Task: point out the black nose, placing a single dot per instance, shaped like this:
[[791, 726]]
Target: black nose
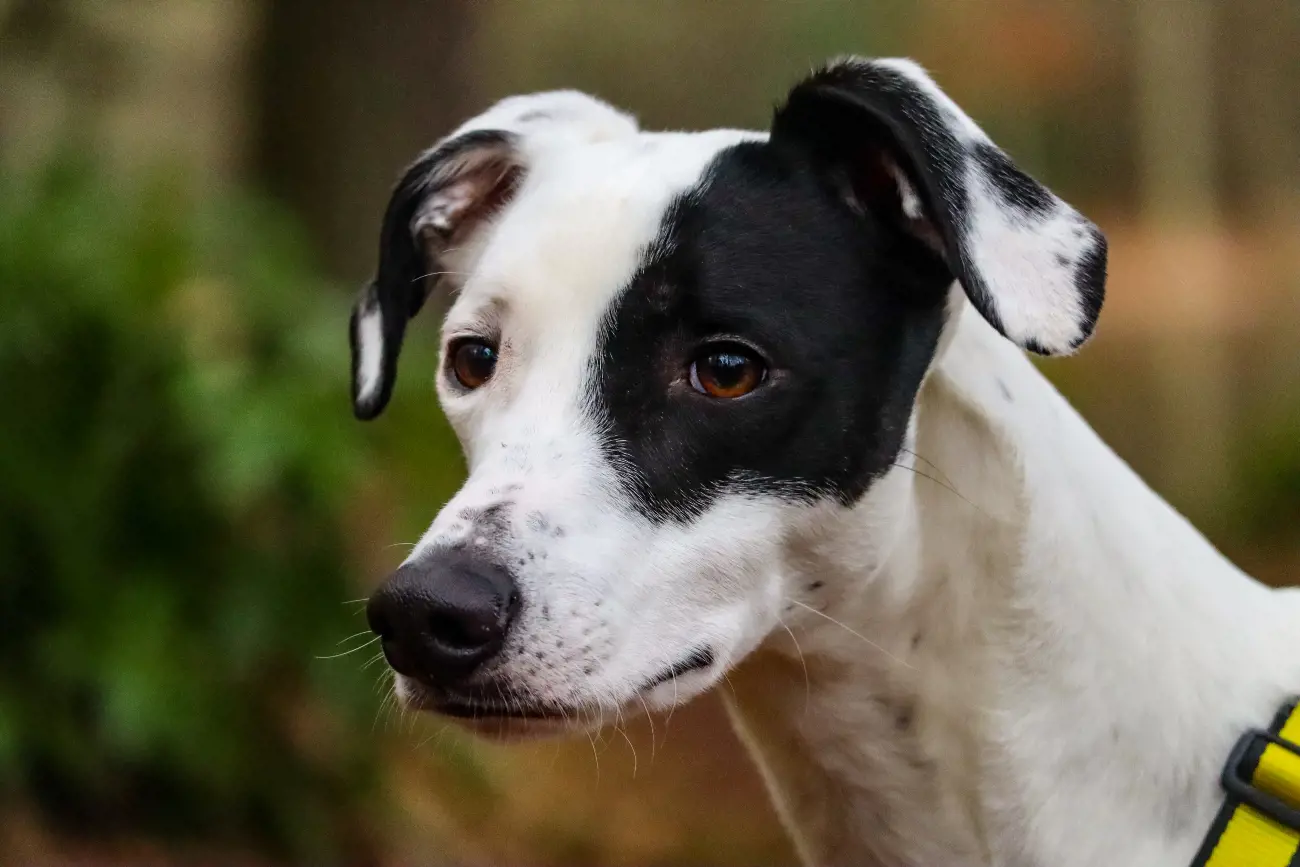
[[440, 618]]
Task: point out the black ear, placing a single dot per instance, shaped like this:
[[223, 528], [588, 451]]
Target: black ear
[[898, 146], [439, 201], [445, 196]]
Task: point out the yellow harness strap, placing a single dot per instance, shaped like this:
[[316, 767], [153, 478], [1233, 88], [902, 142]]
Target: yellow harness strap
[[1259, 825]]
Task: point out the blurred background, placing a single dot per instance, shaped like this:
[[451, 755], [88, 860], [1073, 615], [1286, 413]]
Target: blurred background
[[190, 193]]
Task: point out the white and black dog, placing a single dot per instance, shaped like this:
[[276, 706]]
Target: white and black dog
[[755, 405]]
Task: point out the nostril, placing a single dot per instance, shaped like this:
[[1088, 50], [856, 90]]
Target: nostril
[[463, 630]]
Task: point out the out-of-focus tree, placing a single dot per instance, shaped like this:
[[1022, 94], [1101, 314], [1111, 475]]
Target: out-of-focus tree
[[139, 83], [1258, 67], [1178, 171], [176, 461], [346, 94]]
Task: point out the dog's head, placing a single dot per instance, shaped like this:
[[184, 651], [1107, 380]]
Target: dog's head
[[667, 355]]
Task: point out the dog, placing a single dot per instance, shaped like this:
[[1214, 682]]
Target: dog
[[758, 405]]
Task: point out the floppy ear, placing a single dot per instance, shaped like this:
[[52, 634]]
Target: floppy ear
[[442, 199], [439, 201], [897, 146]]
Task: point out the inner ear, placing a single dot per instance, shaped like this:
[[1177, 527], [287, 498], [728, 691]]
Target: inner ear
[[871, 173], [890, 192], [465, 192]]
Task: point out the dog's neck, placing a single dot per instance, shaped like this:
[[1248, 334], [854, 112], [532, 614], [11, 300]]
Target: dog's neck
[[1019, 654]]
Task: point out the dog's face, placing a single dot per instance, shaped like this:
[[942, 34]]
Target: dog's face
[[669, 356]]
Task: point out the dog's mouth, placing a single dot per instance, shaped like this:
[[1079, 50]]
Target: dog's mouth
[[482, 710], [486, 705], [480, 707], [699, 659]]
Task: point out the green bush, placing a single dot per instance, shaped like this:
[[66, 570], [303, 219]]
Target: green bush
[[175, 454]]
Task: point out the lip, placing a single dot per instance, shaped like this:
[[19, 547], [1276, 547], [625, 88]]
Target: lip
[[480, 709], [473, 710], [700, 658]]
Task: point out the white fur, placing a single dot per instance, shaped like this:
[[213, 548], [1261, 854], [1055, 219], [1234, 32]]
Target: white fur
[[1086, 660], [1010, 652], [370, 343], [566, 113], [1022, 255]]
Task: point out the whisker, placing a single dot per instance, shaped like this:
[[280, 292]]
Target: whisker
[[435, 735], [594, 754], [353, 650], [650, 719], [385, 705], [851, 631], [399, 545], [807, 683], [927, 461], [439, 274], [630, 745], [941, 484]]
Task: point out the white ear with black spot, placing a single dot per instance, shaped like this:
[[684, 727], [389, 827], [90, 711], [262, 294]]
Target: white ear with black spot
[[1033, 266], [442, 199]]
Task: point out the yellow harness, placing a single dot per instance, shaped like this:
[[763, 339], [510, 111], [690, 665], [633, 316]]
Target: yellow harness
[[1259, 824]]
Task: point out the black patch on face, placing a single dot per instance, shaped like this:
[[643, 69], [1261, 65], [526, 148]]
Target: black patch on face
[[845, 308]]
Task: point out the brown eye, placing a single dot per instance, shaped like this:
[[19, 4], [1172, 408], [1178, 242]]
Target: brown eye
[[727, 370], [472, 362]]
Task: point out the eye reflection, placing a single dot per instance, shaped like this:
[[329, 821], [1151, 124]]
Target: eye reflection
[[472, 361], [727, 371]]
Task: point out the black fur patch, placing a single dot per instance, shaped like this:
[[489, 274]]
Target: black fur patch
[[845, 307], [1090, 278], [1016, 189]]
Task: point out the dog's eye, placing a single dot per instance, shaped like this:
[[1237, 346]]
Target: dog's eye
[[727, 370], [472, 361]]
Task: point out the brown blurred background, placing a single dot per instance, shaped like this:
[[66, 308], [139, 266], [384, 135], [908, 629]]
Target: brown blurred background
[[190, 190]]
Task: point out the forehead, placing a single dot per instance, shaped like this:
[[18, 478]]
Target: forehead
[[582, 222]]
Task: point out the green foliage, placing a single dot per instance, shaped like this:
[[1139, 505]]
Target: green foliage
[[1270, 480], [175, 453]]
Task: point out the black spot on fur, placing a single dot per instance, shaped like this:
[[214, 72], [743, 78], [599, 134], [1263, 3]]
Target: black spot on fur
[[1016, 189], [1090, 279], [1035, 347], [1006, 392], [846, 309]]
